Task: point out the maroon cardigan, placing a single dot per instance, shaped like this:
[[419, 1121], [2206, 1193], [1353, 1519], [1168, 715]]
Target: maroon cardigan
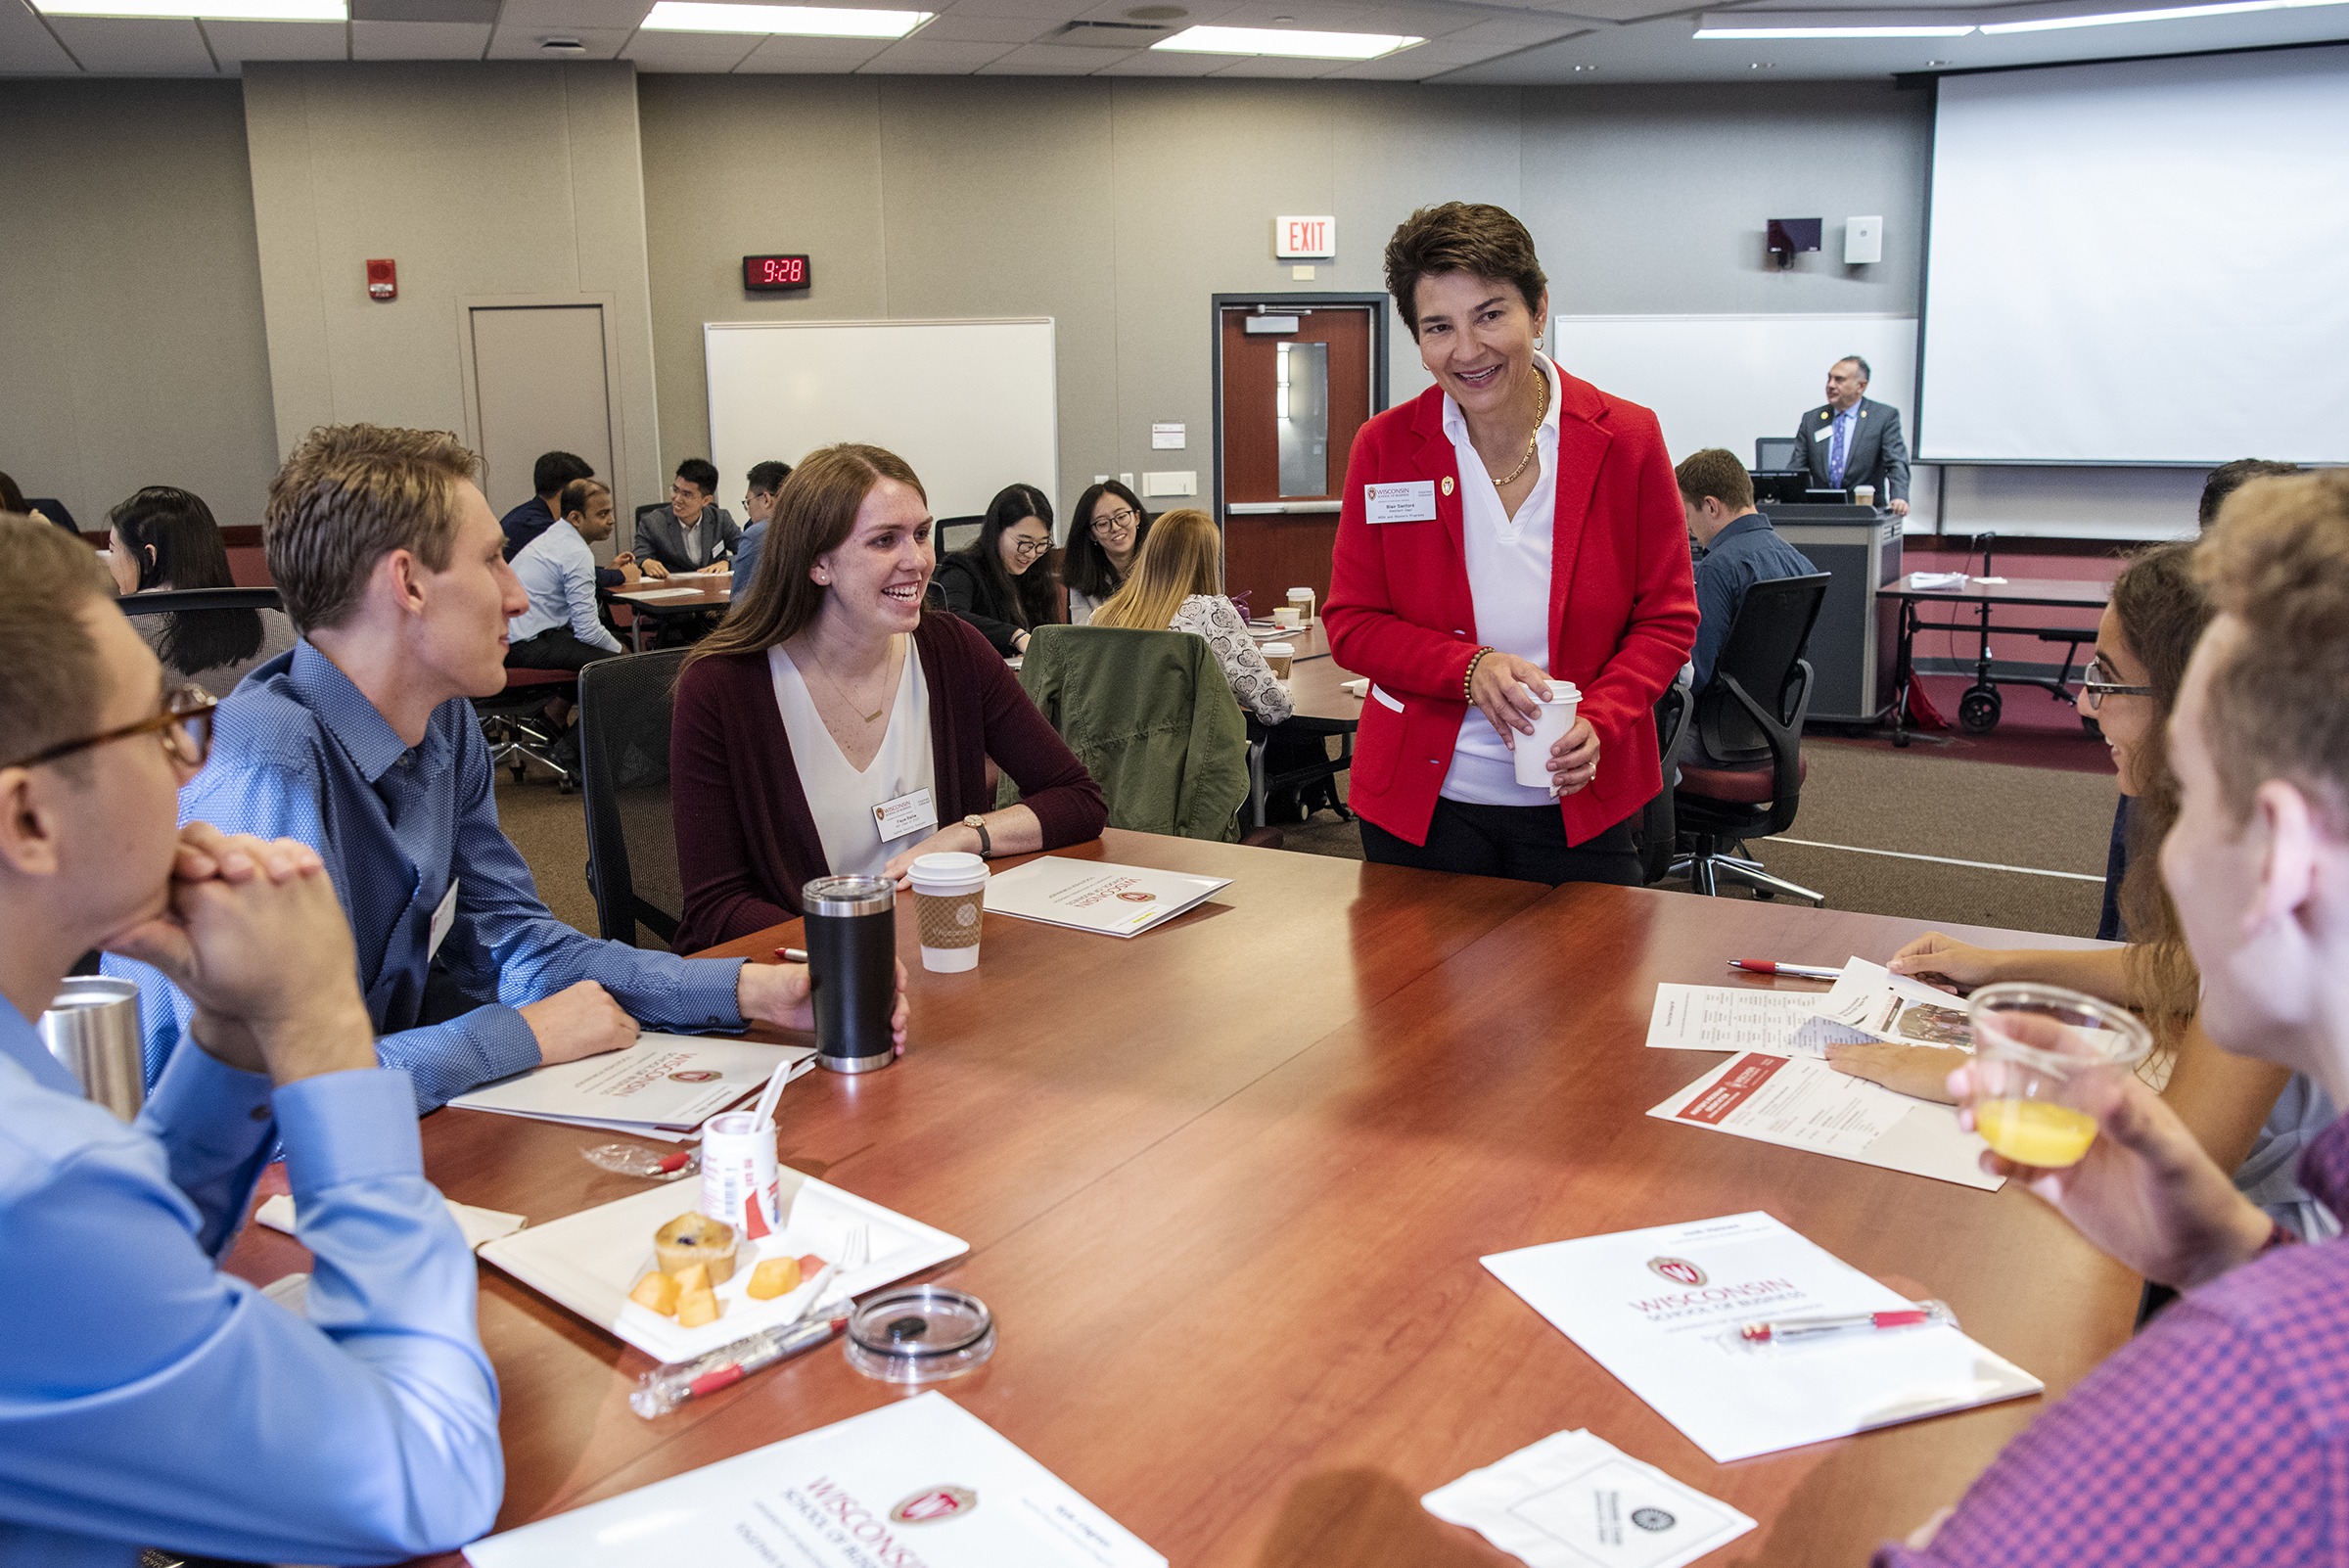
[[745, 841]]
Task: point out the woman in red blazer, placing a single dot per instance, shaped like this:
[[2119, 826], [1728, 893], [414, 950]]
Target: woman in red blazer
[[1508, 525]]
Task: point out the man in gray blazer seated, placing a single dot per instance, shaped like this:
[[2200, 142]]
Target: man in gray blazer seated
[[1851, 440], [689, 532]]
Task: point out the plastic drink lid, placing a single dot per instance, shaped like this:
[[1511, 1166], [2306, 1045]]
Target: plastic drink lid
[[1298, 594], [1564, 691], [920, 1334], [1280, 648], [949, 865]]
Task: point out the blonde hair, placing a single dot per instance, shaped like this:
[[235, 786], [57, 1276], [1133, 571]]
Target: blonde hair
[[350, 496], [1183, 556]]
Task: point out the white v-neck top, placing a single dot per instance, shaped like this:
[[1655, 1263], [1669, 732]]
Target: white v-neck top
[[1508, 583], [842, 800]]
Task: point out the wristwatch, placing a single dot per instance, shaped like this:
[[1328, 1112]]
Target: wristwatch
[[987, 846]]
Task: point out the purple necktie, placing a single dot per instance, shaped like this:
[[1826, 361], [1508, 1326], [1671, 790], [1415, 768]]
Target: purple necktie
[[1836, 449]]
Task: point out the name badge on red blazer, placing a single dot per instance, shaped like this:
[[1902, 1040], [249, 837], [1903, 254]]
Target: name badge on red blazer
[[1403, 501]]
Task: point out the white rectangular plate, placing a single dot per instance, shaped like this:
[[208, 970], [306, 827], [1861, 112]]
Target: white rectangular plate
[[590, 1260]]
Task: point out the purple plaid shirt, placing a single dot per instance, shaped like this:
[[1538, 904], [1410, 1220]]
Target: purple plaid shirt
[[2219, 1435]]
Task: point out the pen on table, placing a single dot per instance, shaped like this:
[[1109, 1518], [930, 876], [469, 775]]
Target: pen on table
[[664, 1388], [1771, 966], [794, 956], [1781, 1330]]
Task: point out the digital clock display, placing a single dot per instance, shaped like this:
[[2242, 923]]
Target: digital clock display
[[775, 274]]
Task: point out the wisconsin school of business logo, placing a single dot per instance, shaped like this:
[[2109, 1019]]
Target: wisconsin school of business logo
[[1680, 1270], [933, 1503]]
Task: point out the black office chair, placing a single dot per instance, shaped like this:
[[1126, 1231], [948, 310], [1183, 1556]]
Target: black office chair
[[1747, 778], [1659, 823], [1773, 453], [173, 601], [955, 533], [623, 766]]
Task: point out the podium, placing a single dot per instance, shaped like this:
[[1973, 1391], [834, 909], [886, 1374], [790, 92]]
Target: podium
[[1856, 641]]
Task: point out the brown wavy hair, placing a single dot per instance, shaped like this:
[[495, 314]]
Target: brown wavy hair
[[1477, 238], [350, 496], [816, 512], [2162, 611]]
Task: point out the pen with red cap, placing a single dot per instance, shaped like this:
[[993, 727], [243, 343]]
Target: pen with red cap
[[1792, 1330]]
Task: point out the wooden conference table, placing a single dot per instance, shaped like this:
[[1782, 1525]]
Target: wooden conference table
[[1225, 1186], [680, 593]]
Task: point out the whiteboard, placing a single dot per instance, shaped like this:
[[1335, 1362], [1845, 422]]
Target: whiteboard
[[1720, 381], [973, 405]]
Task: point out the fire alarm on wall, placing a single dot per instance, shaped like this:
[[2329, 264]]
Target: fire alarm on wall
[[383, 280]]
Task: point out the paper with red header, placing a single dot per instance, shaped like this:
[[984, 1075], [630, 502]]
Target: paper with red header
[[919, 1483], [1799, 1102], [1117, 901], [1660, 1310]]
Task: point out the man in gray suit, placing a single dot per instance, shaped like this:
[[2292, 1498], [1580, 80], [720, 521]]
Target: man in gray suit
[[691, 531], [1853, 439]]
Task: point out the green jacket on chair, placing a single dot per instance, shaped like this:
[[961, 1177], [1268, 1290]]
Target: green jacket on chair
[[1152, 718]]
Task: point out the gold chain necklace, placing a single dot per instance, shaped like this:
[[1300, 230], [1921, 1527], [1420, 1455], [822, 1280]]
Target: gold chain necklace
[[1532, 443], [833, 681]]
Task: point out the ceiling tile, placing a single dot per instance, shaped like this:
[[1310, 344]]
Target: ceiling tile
[[1273, 67], [935, 56], [1163, 63], [1508, 33], [235, 43], [566, 15], [1056, 10], [810, 56], [690, 51], [420, 40], [510, 42], [1048, 60], [959, 27], [26, 48], [136, 46]]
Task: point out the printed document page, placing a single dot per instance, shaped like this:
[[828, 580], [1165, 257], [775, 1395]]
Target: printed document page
[[919, 1481], [1731, 1018], [1872, 1003], [1095, 896], [1660, 1310], [1806, 1104], [670, 1080]]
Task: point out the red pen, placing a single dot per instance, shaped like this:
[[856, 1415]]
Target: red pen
[[1771, 966], [1786, 1330]]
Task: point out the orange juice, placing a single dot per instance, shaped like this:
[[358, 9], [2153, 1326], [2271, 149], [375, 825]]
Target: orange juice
[[2035, 1132]]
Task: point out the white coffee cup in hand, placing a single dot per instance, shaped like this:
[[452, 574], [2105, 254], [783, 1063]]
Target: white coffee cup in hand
[[1559, 705]]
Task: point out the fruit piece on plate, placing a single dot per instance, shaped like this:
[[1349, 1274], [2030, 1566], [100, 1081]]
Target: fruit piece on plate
[[776, 1276], [656, 1291], [810, 1265], [692, 1277], [696, 1308]]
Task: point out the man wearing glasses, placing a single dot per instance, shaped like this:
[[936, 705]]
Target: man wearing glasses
[[362, 743], [146, 1399]]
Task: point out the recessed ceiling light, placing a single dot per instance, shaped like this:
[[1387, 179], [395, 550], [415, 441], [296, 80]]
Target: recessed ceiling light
[[1286, 42], [1831, 25], [201, 10], [798, 22], [1579, 70]]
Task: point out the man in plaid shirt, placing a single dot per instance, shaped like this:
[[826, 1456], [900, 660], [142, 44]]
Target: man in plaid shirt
[[2221, 1435]]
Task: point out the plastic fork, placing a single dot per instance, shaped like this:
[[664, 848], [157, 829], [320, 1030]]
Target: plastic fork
[[855, 1247]]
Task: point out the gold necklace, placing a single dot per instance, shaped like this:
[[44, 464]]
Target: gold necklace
[[833, 681], [1532, 443]]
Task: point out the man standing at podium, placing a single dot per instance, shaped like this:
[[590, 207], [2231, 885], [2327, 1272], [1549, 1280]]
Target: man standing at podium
[[1853, 439]]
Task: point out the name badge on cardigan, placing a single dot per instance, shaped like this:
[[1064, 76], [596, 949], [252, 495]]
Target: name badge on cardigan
[[909, 814], [1410, 502]]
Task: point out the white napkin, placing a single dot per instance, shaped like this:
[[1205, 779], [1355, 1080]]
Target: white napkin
[[481, 1226], [1572, 1501]]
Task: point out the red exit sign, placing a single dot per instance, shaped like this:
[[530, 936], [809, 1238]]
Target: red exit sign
[[1304, 237]]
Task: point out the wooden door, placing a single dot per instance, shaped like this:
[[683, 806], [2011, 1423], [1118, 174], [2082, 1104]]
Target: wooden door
[[1292, 402], [539, 387]]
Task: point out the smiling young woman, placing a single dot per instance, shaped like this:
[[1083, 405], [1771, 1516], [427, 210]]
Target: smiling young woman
[[1508, 525], [831, 693]]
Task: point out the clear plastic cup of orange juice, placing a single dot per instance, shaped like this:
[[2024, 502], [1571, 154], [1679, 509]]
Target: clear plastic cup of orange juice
[[2045, 1061]]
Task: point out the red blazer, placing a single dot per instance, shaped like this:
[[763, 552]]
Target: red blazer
[[1622, 605]]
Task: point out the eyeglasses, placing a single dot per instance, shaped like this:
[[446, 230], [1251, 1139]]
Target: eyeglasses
[[1111, 522], [185, 725], [1029, 549], [2098, 683]]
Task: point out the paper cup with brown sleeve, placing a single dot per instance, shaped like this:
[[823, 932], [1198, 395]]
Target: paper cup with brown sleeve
[[949, 890], [1278, 657]]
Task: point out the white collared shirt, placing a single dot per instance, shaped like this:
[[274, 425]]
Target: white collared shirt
[[691, 534], [1508, 583]]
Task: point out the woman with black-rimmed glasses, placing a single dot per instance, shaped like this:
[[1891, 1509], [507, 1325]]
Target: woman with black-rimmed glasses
[[1105, 538], [1000, 582]]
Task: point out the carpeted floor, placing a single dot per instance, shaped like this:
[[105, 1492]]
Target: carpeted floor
[[1932, 800]]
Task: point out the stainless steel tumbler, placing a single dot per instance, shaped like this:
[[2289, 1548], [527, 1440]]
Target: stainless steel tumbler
[[852, 961], [93, 1028]]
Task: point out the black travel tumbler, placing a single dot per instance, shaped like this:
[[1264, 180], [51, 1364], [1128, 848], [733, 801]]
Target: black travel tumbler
[[852, 961]]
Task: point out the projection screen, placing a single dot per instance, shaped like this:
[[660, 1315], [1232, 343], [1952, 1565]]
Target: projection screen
[[2142, 262]]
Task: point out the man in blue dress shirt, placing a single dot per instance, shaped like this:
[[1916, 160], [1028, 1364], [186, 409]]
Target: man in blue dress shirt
[[146, 1399], [362, 743], [1740, 548]]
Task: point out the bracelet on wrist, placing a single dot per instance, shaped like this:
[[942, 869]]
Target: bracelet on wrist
[[1468, 681]]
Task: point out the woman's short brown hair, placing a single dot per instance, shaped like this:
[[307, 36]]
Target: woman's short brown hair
[[1471, 237], [350, 496], [816, 512]]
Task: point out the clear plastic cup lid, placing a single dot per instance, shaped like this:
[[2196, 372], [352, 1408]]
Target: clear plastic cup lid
[[919, 1333]]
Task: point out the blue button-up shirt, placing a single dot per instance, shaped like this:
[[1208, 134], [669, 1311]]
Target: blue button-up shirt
[[147, 1399], [299, 752], [1746, 552]]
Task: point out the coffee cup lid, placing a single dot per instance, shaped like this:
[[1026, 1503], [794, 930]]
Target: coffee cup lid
[[1300, 593], [948, 865], [1281, 648], [1564, 691]]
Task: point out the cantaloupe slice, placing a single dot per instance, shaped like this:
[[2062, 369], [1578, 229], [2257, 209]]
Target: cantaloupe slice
[[692, 1277], [656, 1291], [776, 1276], [696, 1308]]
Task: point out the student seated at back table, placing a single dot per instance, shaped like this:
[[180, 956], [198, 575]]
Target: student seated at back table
[[362, 744], [692, 532], [998, 582], [1174, 588], [151, 1400], [758, 501], [831, 697], [2251, 1117], [536, 516], [562, 629], [165, 538], [1106, 534], [2215, 1435], [1741, 549]]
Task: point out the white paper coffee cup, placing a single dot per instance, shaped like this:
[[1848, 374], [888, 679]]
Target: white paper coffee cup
[[1300, 600], [1864, 495], [950, 894], [1549, 727], [1281, 655]]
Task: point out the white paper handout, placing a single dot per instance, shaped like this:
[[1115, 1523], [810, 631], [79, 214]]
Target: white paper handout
[[662, 1081], [480, 1226], [1660, 1309], [1574, 1501], [921, 1480], [1872, 1003], [1801, 1103], [1096, 896], [1729, 1018]]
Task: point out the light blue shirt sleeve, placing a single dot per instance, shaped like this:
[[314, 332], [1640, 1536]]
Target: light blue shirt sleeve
[[579, 601], [146, 1398]]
